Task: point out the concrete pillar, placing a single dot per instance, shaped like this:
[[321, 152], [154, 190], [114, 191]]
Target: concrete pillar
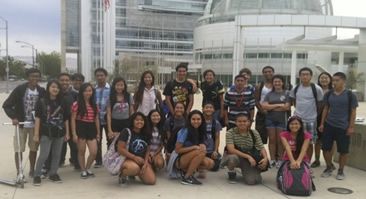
[[362, 57], [85, 38], [293, 68], [63, 35], [341, 59], [238, 48]]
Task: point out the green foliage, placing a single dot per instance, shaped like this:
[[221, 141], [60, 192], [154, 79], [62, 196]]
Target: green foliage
[[354, 78], [49, 64], [16, 67]]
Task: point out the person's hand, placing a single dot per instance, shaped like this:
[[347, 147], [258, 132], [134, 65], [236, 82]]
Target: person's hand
[[350, 131], [252, 162], [15, 121], [67, 137], [263, 163], [98, 138], [36, 138], [202, 147], [110, 135], [214, 155], [293, 165], [321, 128], [298, 164], [75, 138], [143, 168], [140, 161]]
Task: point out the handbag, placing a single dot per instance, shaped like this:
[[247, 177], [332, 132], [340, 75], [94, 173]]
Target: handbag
[[112, 160]]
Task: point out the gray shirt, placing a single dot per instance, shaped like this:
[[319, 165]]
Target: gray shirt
[[277, 98], [121, 110], [338, 115], [305, 102]]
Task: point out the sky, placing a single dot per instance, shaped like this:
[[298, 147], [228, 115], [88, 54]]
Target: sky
[[38, 22]]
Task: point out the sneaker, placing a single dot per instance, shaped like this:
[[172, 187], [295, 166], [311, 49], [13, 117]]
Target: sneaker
[[37, 181], [327, 172], [315, 164], [31, 174], [20, 178], [84, 175], [340, 175], [189, 181], [90, 173], [278, 164], [44, 173], [195, 181], [55, 178], [98, 165], [272, 163], [132, 178], [232, 177], [122, 180]]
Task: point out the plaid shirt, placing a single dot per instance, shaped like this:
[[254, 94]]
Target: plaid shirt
[[102, 98]]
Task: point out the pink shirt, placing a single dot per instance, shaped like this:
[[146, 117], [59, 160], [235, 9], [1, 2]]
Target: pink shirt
[[292, 142], [89, 117]]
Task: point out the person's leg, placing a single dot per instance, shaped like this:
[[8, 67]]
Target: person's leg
[[148, 176], [92, 146], [63, 153], [327, 141], [272, 144], [130, 168], [98, 157], [81, 153], [316, 162], [279, 147], [158, 161], [190, 161], [207, 164], [45, 148], [57, 145], [33, 147], [251, 175], [74, 154]]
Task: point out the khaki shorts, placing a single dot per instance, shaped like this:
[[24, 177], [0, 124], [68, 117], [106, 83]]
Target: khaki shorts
[[25, 133]]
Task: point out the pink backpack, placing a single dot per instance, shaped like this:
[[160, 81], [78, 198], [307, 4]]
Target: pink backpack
[[296, 182]]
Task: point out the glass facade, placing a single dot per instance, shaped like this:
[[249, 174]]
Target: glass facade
[[73, 23]]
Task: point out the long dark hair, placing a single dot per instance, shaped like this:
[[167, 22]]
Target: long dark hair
[[140, 89], [300, 134], [330, 85], [113, 93], [82, 109], [280, 77], [160, 125], [196, 135], [145, 130], [48, 95]]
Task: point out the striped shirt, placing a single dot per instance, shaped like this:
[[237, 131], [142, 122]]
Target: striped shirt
[[236, 102], [244, 140], [88, 117]]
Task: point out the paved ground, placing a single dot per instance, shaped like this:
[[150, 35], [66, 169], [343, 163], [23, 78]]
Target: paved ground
[[106, 186]]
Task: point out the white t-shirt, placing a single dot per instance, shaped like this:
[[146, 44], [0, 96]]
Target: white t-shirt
[[148, 101], [30, 99], [264, 92]]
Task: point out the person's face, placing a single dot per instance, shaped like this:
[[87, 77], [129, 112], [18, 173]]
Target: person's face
[[208, 109], [268, 73], [88, 93], [338, 82], [77, 83], [34, 78], [277, 84], [120, 87], [294, 126], [64, 81], [148, 79], [138, 122], [209, 77], [305, 76], [155, 118], [242, 123], [181, 73], [54, 89], [100, 77], [324, 80], [196, 120], [179, 110], [240, 82]]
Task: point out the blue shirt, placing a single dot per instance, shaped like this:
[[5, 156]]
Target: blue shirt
[[101, 99], [182, 138]]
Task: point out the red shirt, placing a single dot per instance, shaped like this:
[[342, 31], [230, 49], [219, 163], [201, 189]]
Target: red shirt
[[292, 142], [88, 117]]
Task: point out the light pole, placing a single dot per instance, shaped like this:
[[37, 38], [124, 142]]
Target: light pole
[[7, 55], [29, 45]]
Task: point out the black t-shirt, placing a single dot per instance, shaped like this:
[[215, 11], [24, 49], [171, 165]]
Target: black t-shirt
[[51, 113], [179, 91], [138, 143], [211, 93]]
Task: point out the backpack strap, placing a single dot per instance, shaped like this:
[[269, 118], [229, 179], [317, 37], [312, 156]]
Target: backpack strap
[[349, 94], [253, 137], [315, 94]]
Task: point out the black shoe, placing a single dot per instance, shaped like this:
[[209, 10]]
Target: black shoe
[[84, 175], [90, 174], [55, 178], [131, 177], [122, 180], [195, 181], [37, 181], [315, 164], [232, 177], [190, 181]]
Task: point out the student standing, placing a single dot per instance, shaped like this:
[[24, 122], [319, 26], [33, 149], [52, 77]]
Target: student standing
[[51, 130], [338, 123], [19, 107], [85, 127]]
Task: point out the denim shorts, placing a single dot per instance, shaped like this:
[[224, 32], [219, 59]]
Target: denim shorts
[[275, 124]]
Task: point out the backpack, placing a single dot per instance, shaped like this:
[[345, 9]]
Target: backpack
[[349, 95], [112, 160], [170, 145], [315, 93], [295, 182]]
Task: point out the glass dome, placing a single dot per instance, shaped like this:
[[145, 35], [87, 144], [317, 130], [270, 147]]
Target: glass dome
[[226, 10]]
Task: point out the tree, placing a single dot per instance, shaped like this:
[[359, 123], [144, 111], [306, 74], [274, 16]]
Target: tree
[[16, 67], [353, 78], [49, 64]]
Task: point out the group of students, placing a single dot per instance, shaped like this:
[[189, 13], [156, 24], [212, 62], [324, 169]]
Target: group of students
[[153, 133]]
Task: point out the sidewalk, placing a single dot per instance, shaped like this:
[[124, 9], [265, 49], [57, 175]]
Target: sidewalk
[[106, 186]]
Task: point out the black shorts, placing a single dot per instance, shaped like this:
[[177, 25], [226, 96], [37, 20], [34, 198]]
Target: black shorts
[[339, 135], [119, 125], [86, 130]]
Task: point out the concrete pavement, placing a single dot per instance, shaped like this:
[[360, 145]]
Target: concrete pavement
[[106, 186]]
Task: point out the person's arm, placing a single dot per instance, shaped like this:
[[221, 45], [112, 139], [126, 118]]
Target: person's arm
[[303, 151], [194, 85], [323, 117], [351, 125], [9, 106], [168, 102], [73, 127], [97, 125], [257, 97], [131, 104], [67, 130], [109, 122], [287, 147], [190, 104], [37, 124], [269, 107], [231, 149], [222, 106], [124, 152], [180, 149]]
